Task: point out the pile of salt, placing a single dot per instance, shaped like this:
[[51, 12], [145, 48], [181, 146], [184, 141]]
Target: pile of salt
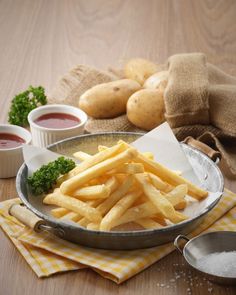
[[219, 263]]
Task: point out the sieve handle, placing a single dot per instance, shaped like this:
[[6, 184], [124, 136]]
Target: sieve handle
[[27, 217], [202, 147], [177, 240]]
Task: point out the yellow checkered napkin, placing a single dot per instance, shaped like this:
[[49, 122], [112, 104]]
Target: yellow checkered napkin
[[47, 254]]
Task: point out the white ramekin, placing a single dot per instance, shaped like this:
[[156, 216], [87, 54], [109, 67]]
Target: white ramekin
[[12, 158], [42, 136]]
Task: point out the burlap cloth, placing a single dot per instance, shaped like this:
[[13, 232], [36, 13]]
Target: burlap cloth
[[200, 101]]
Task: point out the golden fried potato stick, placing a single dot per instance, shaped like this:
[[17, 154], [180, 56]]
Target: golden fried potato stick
[[157, 199], [106, 205], [82, 156], [159, 219], [148, 223], [118, 209], [128, 168], [159, 184], [112, 184], [59, 212], [97, 158], [70, 203], [148, 155], [176, 196], [100, 191], [102, 148], [93, 226], [169, 176], [71, 216], [83, 177], [116, 195], [85, 221], [141, 211]]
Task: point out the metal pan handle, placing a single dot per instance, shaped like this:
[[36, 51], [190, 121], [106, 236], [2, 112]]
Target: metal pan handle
[[176, 242], [210, 152], [31, 220], [27, 217]]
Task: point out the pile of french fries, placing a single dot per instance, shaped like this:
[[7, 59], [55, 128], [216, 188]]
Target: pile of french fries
[[119, 186]]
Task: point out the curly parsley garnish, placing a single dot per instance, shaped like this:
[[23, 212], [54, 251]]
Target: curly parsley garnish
[[46, 177], [25, 102]]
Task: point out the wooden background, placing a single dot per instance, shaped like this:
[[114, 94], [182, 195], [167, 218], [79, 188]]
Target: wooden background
[[40, 40]]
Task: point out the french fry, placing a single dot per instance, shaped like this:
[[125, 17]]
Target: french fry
[[128, 168], [59, 212], [177, 172], [148, 223], [169, 176], [176, 196], [83, 177], [93, 226], [71, 216], [117, 210], [92, 192], [172, 178], [159, 219], [112, 184], [82, 156], [157, 199], [141, 211], [73, 204], [84, 222], [148, 155], [102, 148], [116, 196], [159, 184], [97, 158], [95, 203], [99, 192]]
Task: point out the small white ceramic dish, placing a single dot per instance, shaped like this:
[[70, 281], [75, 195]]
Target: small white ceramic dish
[[43, 136], [12, 158]]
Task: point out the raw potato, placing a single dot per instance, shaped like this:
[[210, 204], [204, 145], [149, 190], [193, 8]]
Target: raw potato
[[157, 81], [145, 108], [139, 69], [108, 100]]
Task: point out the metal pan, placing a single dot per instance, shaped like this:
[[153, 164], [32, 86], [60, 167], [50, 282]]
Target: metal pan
[[203, 245], [207, 171]]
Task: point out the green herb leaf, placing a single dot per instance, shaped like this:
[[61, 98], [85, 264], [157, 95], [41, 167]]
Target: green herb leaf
[[46, 177], [23, 103]]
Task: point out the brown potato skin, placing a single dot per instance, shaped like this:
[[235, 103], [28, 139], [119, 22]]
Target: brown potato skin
[[139, 69], [158, 80], [145, 108], [108, 100]]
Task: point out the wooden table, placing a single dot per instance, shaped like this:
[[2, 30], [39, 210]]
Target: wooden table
[[40, 40]]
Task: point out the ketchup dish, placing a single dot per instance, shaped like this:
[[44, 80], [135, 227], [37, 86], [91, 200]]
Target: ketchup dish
[[12, 138], [51, 123]]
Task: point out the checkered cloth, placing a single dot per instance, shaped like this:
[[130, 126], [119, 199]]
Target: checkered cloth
[[47, 254]]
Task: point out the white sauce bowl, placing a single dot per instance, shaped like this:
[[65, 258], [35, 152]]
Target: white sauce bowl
[[12, 158], [43, 136]]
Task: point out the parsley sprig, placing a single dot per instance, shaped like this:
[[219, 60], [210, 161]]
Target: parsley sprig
[[25, 102], [46, 177]]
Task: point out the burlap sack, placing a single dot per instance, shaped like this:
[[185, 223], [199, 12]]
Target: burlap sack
[[200, 101]]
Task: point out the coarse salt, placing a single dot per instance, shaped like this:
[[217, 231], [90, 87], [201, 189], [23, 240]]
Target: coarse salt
[[218, 263]]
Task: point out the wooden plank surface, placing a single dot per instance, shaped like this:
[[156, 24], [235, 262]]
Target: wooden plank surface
[[40, 40]]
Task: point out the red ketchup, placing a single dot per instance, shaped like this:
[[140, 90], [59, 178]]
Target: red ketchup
[[8, 141], [57, 121]]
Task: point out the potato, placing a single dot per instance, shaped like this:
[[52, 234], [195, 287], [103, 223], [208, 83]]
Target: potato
[[157, 81], [139, 69], [145, 108], [108, 100]]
